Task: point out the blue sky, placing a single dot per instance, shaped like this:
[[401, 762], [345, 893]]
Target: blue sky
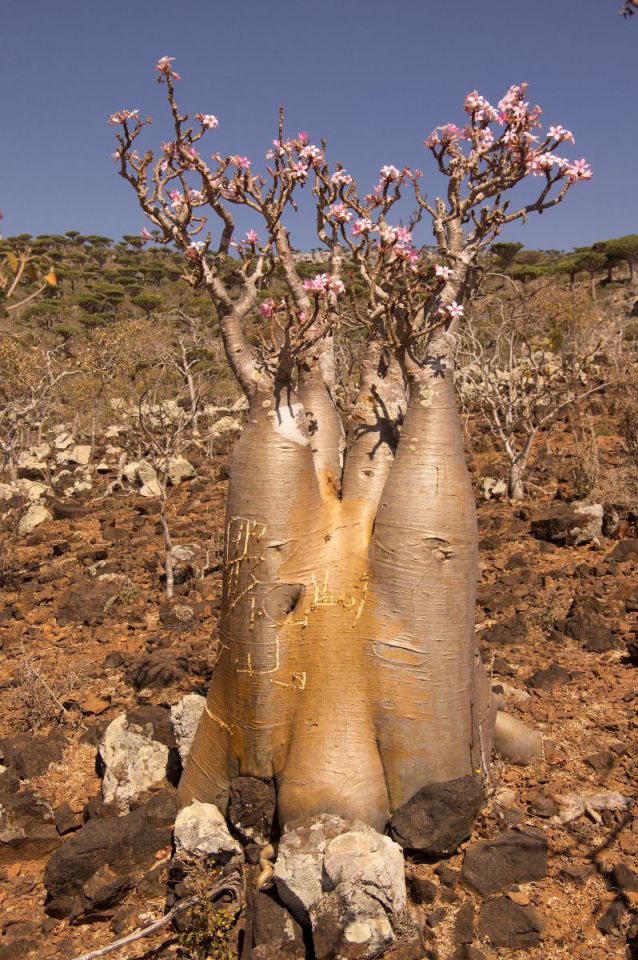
[[372, 76]]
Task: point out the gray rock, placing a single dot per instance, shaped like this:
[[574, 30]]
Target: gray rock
[[133, 759], [346, 880], [185, 717], [201, 832], [81, 453], [35, 515], [348, 922], [570, 525], [439, 817], [179, 469], [509, 858]]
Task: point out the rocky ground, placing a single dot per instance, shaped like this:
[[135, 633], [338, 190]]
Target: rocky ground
[[87, 639]]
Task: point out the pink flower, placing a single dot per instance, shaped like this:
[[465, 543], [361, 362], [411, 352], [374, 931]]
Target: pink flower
[[364, 225], [311, 154], [323, 283], [539, 163], [177, 198], [340, 177], [560, 133], [303, 137], [479, 106], [194, 250], [298, 170], [123, 116], [145, 235], [242, 162], [443, 273], [163, 65], [207, 120], [390, 173], [578, 170], [251, 237], [452, 310], [267, 308], [339, 212]]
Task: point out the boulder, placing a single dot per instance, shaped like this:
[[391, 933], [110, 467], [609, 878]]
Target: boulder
[[570, 525], [179, 469], [35, 515], [624, 551], [32, 490], [201, 833], [30, 755], [157, 670], [63, 441], [439, 817], [509, 858], [226, 426], [27, 828], [137, 752], [349, 922], [318, 855], [150, 489], [185, 717], [97, 866], [80, 454], [30, 466]]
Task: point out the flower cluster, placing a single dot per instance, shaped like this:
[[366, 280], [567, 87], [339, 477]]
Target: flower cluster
[[339, 212], [163, 66], [242, 163], [323, 283], [519, 140], [123, 116], [340, 178], [389, 173], [207, 120]]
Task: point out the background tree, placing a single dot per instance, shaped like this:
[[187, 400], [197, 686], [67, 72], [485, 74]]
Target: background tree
[[349, 669], [508, 372]]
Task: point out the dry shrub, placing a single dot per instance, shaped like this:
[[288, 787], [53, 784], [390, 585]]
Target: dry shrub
[[586, 472]]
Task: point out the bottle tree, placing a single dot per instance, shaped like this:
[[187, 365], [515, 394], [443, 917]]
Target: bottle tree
[[348, 669]]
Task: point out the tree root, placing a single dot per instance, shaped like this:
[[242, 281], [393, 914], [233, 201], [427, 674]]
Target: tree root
[[514, 740]]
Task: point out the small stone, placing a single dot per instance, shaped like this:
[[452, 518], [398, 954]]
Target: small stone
[[602, 762], [507, 924], [511, 857], [611, 920], [95, 705], [422, 890], [464, 923], [548, 678], [578, 873]]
